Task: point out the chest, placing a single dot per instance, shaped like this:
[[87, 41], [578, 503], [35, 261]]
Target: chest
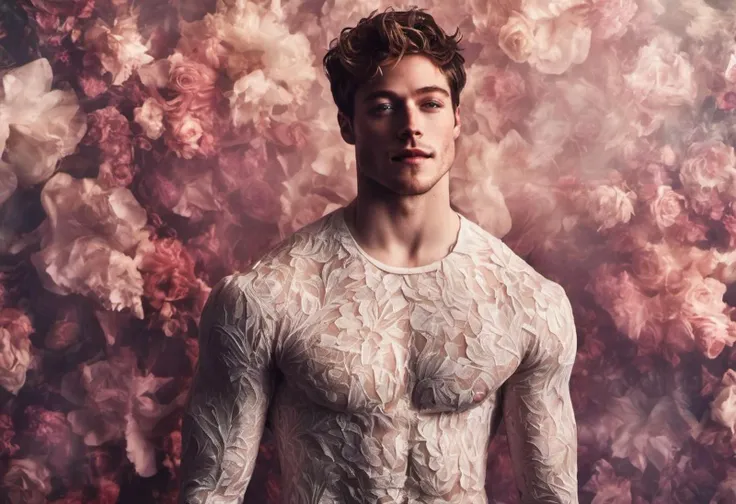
[[436, 346]]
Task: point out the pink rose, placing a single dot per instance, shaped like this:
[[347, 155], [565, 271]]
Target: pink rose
[[656, 268], [516, 38], [708, 165], [723, 407], [64, 332], [663, 76], [15, 349], [713, 331], [192, 77], [703, 295], [666, 206], [185, 137], [168, 272]]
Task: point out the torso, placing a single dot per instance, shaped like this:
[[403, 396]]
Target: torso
[[392, 377]]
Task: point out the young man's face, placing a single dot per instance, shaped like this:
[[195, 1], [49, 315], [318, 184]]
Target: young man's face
[[407, 107]]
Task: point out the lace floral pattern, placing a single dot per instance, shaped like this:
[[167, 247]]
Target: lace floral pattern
[[382, 384]]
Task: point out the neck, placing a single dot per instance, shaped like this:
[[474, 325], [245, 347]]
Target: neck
[[403, 230]]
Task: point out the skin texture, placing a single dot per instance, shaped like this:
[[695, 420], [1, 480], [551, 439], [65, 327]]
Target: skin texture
[[385, 342], [402, 214]]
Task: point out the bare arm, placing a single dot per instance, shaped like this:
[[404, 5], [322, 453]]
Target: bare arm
[[538, 413], [228, 401]]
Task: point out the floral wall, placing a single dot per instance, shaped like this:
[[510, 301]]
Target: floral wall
[[150, 148]]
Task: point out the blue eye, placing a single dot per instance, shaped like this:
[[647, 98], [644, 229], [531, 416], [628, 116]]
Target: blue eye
[[383, 106]]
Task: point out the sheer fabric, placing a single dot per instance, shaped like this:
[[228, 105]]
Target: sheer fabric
[[382, 384]]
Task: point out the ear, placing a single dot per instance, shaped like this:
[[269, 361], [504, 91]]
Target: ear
[[346, 128], [458, 124]]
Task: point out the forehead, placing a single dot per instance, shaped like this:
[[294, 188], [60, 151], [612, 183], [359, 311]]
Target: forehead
[[411, 73]]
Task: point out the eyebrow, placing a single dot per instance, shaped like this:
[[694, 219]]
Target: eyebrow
[[384, 93]]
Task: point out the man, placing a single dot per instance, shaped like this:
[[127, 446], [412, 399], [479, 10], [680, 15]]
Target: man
[[385, 341]]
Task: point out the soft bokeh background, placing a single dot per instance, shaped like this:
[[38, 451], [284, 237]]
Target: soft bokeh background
[[149, 148]]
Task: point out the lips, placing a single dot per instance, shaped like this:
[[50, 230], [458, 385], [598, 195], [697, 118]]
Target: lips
[[410, 154]]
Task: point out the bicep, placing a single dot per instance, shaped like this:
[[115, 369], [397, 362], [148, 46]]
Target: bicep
[[229, 398], [538, 414]]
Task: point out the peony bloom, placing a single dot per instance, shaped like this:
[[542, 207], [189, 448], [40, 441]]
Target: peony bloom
[[262, 56], [27, 481], [120, 48], [15, 349], [38, 125], [150, 117], [663, 76], [48, 434], [723, 407], [560, 43], [612, 18], [168, 272], [91, 241]]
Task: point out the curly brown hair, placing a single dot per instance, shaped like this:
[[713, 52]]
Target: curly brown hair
[[355, 57]]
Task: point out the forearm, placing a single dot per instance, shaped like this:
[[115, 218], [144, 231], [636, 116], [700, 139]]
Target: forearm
[[219, 454]]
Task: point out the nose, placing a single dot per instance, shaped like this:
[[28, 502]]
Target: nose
[[410, 126]]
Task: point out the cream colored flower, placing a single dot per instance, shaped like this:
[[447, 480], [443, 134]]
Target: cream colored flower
[[119, 48], [38, 125], [150, 117]]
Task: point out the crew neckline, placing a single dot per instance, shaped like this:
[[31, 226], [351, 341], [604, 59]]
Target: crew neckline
[[399, 269]]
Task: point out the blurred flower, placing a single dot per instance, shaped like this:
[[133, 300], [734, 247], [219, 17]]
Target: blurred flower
[[7, 448], [612, 18], [150, 117], [48, 435], [666, 206], [723, 407], [560, 43], [27, 481], [38, 125], [606, 206], [708, 165], [663, 76], [619, 295], [119, 48], [145, 412], [607, 487], [15, 349], [516, 38], [656, 268], [648, 430], [91, 241]]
